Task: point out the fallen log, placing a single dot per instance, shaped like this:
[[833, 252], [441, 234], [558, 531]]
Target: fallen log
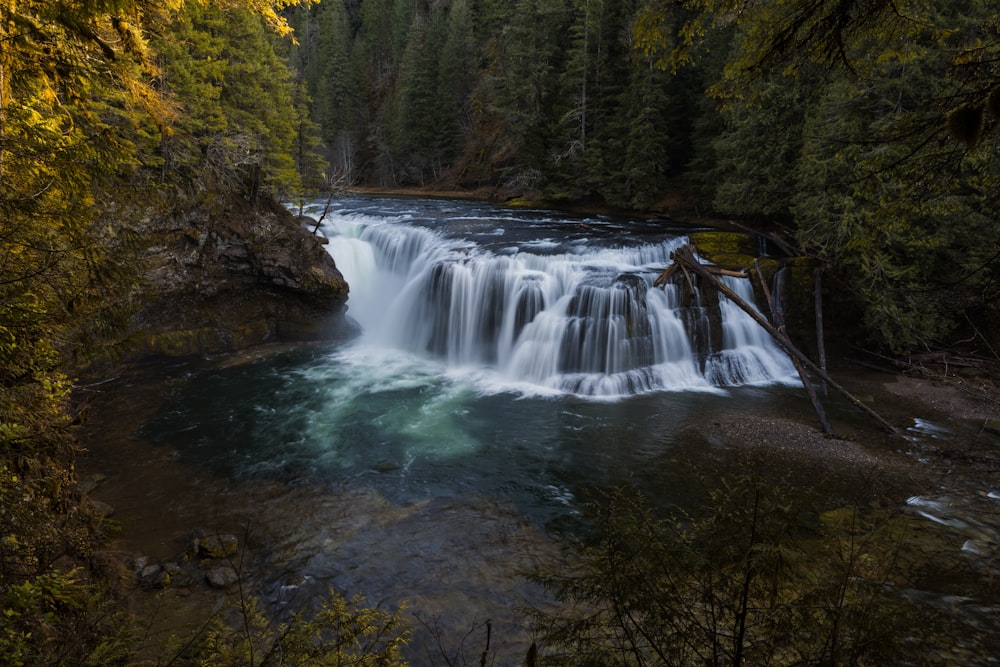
[[818, 301], [685, 256], [669, 271]]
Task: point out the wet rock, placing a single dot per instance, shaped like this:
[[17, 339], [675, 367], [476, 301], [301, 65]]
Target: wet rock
[[91, 482], [154, 576], [222, 577], [216, 546], [101, 509], [139, 564], [229, 277]]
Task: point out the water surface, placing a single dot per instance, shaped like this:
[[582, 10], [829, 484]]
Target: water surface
[[510, 363]]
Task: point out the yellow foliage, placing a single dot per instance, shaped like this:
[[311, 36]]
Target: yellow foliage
[[76, 83]]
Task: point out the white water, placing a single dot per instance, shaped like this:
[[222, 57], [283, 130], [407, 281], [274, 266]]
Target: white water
[[511, 309]]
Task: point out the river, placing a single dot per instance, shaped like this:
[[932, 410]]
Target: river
[[510, 363]]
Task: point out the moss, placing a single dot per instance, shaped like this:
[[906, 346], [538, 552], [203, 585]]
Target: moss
[[737, 250], [251, 334], [523, 202], [725, 248], [184, 342]]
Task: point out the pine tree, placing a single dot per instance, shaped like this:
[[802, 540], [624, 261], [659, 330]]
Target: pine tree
[[240, 127], [336, 90]]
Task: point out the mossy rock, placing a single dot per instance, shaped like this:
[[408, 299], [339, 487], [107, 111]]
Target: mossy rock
[[729, 249], [182, 343], [216, 546], [523, 202], [251, 334]]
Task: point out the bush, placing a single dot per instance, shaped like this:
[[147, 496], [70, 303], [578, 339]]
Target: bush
[[754, 580]]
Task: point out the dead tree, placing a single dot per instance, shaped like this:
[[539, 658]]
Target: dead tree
[[684, 257]]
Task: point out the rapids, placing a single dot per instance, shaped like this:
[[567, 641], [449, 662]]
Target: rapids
[[521, 303], [510, 362]]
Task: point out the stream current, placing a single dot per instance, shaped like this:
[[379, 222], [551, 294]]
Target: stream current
[[509, 363], [508, 353]]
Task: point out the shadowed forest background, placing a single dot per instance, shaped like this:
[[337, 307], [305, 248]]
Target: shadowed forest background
[[861, 133], [862, 130]]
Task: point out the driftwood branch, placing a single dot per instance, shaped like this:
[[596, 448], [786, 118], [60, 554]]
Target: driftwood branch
[[818, 301], [715, 270], [685, 256]]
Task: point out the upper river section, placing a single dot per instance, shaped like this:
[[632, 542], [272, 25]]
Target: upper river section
[[510, 362]]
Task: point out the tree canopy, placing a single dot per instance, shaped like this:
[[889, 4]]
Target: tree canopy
[[863, 128], [85, 100]]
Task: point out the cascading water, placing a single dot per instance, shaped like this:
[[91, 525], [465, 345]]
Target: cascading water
[[473, 320], [540, 316]]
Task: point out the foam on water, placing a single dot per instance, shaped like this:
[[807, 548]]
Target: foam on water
[[537, 315]]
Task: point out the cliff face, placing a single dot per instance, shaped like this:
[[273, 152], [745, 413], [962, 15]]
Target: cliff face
[[224, 280]]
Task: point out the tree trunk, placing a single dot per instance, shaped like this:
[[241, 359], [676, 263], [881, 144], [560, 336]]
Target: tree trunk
[[685, 256]]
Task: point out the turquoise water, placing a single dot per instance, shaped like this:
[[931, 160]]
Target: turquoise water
[[404, 427]]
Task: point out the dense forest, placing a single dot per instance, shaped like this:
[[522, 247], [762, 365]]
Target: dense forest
[[863, 131], [111, 112]]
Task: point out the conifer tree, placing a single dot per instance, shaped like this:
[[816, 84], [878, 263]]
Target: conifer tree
[[78, 103], [336, 89], [240, 127]]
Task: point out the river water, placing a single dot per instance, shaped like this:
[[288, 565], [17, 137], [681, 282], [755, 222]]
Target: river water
[[510, 362]]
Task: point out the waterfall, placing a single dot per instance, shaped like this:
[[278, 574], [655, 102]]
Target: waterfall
[[572, 319]]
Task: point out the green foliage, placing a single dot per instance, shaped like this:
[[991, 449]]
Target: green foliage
[[242, 126], [79, 105], [340, 632], [56, 618], [864, 126], [756, 154], [754, 579], [903, 213]]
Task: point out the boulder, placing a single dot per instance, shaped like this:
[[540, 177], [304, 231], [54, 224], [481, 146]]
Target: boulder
[[225, 278], [222, 576], [216, 546], [154, 576]]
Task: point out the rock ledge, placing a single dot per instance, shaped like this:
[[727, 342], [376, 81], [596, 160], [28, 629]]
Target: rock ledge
[[225, 280]]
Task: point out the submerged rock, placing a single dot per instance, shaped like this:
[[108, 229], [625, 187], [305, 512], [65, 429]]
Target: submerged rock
[[216, 546], [154, 576], [222, 576]]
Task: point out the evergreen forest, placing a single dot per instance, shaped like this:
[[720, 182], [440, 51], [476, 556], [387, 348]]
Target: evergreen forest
[[861, 132]]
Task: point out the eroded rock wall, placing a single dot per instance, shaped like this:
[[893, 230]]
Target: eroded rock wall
[[220, 279]]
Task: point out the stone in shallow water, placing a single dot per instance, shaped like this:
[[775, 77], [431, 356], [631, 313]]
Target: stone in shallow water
[[222, 577], [216, 546], [154, 576]]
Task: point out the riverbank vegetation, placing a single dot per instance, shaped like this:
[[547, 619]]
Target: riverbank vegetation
[[861, 131], [751, 577], [103, 124]]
